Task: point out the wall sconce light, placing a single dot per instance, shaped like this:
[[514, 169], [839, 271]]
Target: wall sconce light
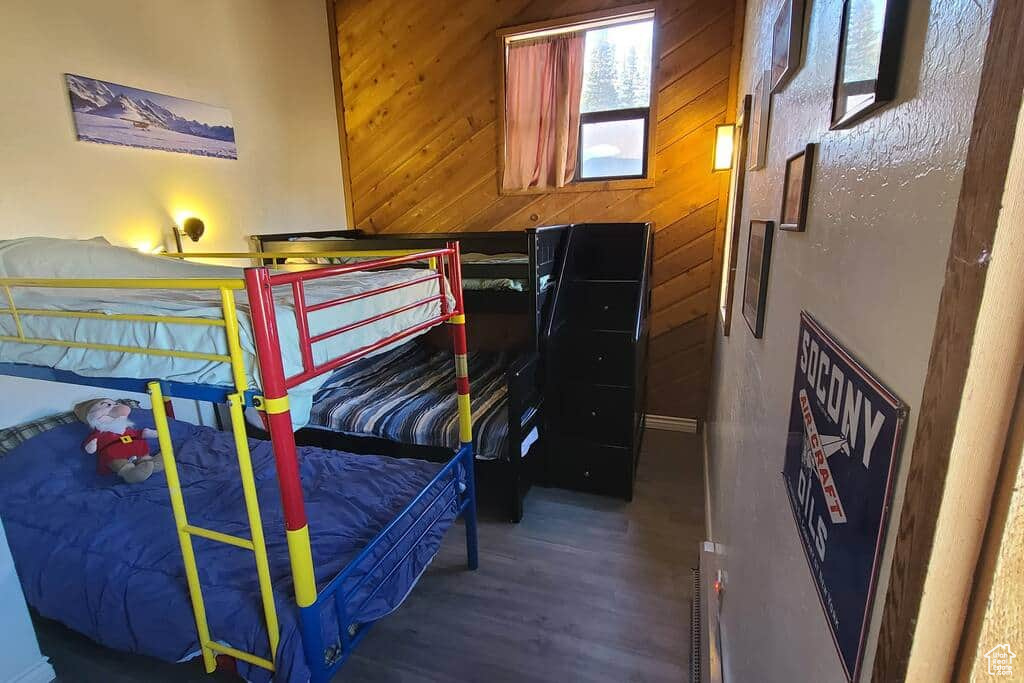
[[724, 134], [192, 227]]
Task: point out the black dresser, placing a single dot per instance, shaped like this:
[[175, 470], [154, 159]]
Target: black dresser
[[596, 358]]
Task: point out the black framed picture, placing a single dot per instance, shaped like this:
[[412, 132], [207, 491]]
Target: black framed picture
[[787, 42], [870, 49], [755, 281], [796, 190], [757, 150]]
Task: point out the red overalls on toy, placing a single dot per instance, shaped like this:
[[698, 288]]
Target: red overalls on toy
[[111, 446]]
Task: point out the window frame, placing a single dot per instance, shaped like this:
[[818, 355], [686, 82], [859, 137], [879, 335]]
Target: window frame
[[584, 22], [608, 116]]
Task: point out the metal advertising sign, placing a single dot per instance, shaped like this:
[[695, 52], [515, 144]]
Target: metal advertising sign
[[845, 431]]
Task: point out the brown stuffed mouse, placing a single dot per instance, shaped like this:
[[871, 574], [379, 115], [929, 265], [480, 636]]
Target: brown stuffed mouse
[[119, 448]]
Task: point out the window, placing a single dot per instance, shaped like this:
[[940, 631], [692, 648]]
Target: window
[[575, 104], [615, 106]]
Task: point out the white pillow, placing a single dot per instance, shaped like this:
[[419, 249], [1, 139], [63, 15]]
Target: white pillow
[[48, 257]]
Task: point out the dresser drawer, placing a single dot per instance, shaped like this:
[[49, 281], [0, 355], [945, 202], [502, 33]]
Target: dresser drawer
[[586, 466], [598, 357], [604, 305], [600, 414]]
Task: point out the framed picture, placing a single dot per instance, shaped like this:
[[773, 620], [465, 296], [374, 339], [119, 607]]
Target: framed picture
[[755, 283], [787, 42], [870, 49], [796, 190], [732, 224], [115, 114], [757, 152]]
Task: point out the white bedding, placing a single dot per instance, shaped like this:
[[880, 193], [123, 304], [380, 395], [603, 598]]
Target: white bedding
[[46, 257]]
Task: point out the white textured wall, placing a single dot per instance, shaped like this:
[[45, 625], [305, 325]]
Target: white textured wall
[[20, 659], [869, 268], [267, 61]]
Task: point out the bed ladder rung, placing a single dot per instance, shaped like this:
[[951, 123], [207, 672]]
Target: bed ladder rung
[[239, 654], [218, 536]]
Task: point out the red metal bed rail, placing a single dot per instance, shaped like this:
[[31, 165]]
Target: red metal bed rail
[[274, 402], [447, 271]]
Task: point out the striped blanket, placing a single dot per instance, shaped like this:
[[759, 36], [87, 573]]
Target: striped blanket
[[408, 395]]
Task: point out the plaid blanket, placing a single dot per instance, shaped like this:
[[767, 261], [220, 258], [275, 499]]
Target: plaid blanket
[[408, 395], [12, 437]]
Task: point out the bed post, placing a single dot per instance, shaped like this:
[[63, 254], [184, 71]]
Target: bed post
[[279, 423], [458, 323]]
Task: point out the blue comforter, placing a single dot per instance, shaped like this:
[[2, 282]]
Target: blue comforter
[[103, 557]]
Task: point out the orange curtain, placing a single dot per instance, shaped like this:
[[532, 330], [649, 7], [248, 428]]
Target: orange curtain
[[543, 83]]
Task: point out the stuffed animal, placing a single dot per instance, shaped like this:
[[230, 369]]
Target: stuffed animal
[[119, 448]]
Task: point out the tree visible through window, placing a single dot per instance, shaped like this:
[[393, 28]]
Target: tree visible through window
[[617, 75], [616, 102], [577, 101]]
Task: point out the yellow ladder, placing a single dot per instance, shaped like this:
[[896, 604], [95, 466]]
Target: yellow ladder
[[210, 648]]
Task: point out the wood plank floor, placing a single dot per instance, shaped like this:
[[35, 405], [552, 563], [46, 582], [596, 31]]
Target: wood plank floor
[[584, 589]]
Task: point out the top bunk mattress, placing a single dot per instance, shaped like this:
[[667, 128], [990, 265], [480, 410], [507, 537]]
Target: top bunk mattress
[[495, 283], [466, 257], [471, 258], [55, 258]]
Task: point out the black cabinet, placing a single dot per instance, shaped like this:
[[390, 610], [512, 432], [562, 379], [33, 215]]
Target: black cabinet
[[596, 358]]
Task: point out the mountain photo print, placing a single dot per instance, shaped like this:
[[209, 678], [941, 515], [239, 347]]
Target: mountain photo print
[[118, 115]]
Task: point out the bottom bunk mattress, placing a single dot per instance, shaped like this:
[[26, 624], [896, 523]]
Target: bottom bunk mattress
[[408, 395], [103, 557]]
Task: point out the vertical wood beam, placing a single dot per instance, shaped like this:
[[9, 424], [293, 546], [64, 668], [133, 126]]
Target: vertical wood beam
[[995, 609]]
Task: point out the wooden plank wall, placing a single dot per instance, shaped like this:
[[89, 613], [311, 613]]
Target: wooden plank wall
[[419, 86]]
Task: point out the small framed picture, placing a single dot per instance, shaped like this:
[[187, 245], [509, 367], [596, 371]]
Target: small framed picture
[[787, 42], [755, 282], [757, 140], [870, 49], [796, 190]]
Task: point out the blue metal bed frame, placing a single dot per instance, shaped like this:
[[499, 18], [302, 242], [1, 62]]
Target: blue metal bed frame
[[323, 661]]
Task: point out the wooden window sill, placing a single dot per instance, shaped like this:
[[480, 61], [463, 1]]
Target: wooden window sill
[[587, 186]]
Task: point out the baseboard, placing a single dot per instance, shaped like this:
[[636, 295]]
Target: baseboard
[[671, 424], [41, 672]]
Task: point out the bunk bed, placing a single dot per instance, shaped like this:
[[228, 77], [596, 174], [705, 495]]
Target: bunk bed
[[358, 530], [508, 276], [504, 271]]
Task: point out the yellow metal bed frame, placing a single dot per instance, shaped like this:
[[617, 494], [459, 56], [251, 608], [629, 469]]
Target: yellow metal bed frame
[[236, 359]]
